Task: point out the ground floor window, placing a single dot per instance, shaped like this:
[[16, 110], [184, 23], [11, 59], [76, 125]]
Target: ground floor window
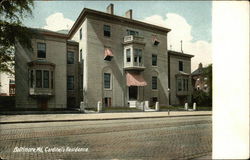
[[154, 82], [107, 102], [41, 79]]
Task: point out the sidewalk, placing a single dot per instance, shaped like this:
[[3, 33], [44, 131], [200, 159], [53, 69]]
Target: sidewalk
[[38, 118]]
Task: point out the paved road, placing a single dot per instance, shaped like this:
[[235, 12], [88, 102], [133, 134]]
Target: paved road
[[157, 138]]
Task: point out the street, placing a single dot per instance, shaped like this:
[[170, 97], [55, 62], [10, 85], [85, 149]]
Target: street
[[147, 138]]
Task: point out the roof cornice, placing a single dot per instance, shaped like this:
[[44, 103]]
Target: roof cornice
[[87, 11], [180, 54]]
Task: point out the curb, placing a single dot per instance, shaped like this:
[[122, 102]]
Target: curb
[[100, 119]]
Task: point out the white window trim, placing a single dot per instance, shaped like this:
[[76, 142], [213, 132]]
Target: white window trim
[[111, 82]]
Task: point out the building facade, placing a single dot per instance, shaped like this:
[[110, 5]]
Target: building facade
[[179, 75], [104, 57], [199, 80]]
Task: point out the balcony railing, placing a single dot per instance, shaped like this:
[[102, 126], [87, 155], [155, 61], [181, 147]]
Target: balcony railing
[[134, 66], [41, 92], [133, 39]]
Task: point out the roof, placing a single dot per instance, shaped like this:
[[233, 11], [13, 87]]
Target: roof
[[87, 11], [50, 33], [182, 73], [40, 61], [170, 52], [198, 71]]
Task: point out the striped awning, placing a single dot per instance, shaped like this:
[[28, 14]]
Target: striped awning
[[135, 79]]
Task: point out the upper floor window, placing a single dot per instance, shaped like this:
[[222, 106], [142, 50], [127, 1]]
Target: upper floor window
[[41, 50], [80, 32], [106, 31], [131, 32], [180, 66], [128, 54], [107, 80], [138, 55], [154, 60], [70, 58], [154, 82], [70, 82]]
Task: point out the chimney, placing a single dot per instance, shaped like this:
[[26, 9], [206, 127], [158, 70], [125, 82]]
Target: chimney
[[200, 65], [129, 14], [110, 8]]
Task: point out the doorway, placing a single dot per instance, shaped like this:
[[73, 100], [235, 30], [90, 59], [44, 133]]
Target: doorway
[[43, 104], [133, 92]]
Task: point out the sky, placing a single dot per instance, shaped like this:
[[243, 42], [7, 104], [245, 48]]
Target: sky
[[189, 22]]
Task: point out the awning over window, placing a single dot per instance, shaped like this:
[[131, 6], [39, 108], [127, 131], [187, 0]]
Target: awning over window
[[135, 79], [108, 55], [155, 41]]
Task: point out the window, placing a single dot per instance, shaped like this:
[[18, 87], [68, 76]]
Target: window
[[138, 55], [107, 102], [107, 78], [70, 82], [179, 85], [31, 79], [106, 31], [38, 79], [154, 60], [80, 55], [45, 79], [41, 50], [70, 58], [180, 66], [128, 55], [52, 79], [154, 82], [131, 32], [80, 32]]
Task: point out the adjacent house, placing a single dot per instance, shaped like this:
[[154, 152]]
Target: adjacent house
[[199, 81], [104, 57]]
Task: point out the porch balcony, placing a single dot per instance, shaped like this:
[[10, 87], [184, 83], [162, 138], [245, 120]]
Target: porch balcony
[[136, 66]]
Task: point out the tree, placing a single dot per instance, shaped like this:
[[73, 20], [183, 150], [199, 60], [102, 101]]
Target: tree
[[12, 30], [208, 72], [199, 96]]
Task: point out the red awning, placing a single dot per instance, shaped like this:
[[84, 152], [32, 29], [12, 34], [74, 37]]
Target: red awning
[[155, 41], [108, 54], [134, 79]]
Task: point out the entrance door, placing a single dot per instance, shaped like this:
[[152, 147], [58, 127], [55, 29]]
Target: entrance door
[[133, 92], [43, 104]]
